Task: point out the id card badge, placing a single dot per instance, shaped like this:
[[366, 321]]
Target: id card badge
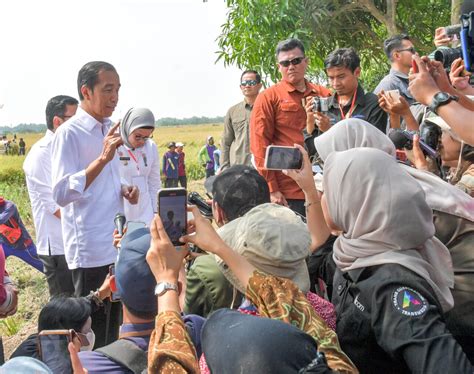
[[140, 182]]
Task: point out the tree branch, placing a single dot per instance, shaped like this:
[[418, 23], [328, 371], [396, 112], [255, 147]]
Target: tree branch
[[380, 16]]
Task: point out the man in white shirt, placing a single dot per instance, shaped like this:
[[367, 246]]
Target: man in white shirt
[[46, 213], [87, 186]]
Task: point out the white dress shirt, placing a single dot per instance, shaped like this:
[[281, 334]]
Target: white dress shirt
[[87, 215], [37, 167], [141, 167]]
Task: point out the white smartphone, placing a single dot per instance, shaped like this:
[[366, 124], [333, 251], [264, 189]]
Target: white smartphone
[[393, 95], [281, 158]]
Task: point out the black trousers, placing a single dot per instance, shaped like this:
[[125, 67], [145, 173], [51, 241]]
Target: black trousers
[[58, 275], [106, 320], [171, 182], [183, 181]]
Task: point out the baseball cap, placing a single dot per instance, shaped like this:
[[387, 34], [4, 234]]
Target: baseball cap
[[171, 144], [273, 239], [179, 144], [238, 189], [133, 277]]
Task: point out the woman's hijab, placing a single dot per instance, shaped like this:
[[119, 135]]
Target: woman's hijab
[[384, 217], [135, 118], [353, 132]]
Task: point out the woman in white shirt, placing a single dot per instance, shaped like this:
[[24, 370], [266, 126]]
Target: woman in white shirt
[[139, 162]]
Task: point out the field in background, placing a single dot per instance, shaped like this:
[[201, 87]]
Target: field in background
[[31, 283]]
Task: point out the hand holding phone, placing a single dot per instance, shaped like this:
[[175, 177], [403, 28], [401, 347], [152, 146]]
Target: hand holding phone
[[53, 349], [173, 213], [281, 158]]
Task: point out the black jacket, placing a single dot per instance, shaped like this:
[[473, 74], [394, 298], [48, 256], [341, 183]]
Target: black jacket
[[389, 321]]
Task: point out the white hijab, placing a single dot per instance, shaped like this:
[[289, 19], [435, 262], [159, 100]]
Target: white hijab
[[353, 132], [384, 218]]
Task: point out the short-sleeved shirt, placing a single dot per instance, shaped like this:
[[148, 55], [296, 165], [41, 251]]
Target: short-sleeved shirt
[[395, 80]]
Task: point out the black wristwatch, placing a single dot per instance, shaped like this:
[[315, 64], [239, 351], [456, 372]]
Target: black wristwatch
[[440, 99]]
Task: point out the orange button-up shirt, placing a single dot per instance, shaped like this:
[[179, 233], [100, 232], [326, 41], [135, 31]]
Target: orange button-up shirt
[[278, 118]]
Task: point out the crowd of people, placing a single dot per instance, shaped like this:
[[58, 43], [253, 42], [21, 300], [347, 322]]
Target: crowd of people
[[362, 260]]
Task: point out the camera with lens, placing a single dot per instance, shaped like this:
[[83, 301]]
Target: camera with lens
[[195, 199], [430, 133], [404, 139], [320, 104], [466, 51]]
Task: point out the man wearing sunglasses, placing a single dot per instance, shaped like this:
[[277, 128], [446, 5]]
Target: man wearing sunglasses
[[279, 117], [399, 50], [235, 138]]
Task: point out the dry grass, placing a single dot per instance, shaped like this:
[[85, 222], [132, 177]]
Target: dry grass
[[31, 283]]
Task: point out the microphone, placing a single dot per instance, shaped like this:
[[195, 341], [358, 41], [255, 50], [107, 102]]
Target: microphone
[[404, 139], [119, 221]]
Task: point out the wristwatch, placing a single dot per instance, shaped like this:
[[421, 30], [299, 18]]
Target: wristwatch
[[440, 99], [163, 287]]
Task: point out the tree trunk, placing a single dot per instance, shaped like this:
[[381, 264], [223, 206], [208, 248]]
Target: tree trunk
[[455, 11]]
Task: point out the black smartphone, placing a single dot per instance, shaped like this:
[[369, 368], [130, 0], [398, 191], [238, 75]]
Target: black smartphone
[[114, 294], [280, 158], [53, 348], [173, 212]]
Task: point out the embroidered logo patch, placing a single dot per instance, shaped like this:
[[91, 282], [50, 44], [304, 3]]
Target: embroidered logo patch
[[409, 302]]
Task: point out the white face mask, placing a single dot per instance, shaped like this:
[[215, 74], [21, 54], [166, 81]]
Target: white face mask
[[91, 339]]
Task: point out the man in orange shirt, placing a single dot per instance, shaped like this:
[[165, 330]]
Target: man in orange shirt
[[279, 117]]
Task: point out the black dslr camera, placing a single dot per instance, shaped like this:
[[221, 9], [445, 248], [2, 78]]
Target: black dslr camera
[[195, 199], [466, 50]]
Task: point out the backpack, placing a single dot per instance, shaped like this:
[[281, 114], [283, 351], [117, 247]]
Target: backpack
[[127, 354]]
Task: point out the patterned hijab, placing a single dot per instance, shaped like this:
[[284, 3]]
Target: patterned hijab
[[384, 218], [352, 133], [135, 118]]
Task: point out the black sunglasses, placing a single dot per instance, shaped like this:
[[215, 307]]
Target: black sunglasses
[[249, 83], [295, 61], [412, 50]]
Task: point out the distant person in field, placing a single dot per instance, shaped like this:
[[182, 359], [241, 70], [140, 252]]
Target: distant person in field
[[170, 166], [22, 147], [183, 181], [87, 185], [206, 156], [46, 212], [235, 138]]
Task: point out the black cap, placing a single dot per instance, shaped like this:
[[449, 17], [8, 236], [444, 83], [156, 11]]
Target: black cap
[[239, 189], [171, 144]]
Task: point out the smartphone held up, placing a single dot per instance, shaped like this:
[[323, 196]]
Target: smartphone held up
[[282, 158], [173, 212], [53, 349]]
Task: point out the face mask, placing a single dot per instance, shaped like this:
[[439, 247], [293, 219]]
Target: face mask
[[91, 339]]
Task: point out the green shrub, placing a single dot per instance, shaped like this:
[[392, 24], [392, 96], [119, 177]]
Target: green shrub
[[12, 176]]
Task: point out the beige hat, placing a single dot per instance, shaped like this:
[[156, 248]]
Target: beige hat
[[273, 239], [441, 123]]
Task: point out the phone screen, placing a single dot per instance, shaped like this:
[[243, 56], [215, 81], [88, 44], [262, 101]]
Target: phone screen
[[280, 158], [172, 210], [54, 352]]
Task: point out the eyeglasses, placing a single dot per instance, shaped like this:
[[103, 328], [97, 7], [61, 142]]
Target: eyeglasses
[[295, 61], [412, 50], [144, 138], [249, 83]]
